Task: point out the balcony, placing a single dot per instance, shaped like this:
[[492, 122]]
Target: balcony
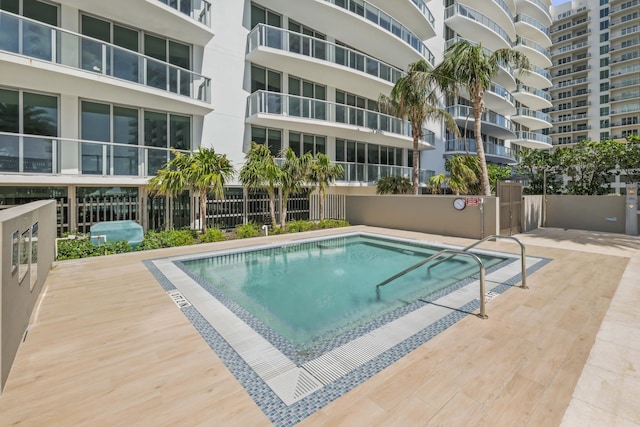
[[532, 140], [320, 61], [572, 72], [626, 57], [534, 120], [536, 77], [634, 29], [498, 99], [469, 22], [626, 70], [569, 83], [371, 173], [331, 119], [492, 123], [570, 25], [625, 45], [581, 92], [533, 98], [43, 155], [627, 5], [532, 29], [202, 13], [496, 11], [537, 54], [536, 9], [493, 152], [96, 60], [414, 14], [570, 118], [570, 48], [379, 18], [571, 13]]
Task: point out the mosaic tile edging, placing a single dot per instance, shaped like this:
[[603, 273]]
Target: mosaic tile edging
[[271, 405]]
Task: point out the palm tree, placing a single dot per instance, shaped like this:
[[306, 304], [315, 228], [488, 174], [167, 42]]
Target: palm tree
[[321, 173], [468, 66], [393, 185], [294, 172], [436, 181], [261, 172], [201, 171], [463, 173], [413, 97]]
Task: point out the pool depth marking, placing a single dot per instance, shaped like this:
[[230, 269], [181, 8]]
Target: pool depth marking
[[292, 383]]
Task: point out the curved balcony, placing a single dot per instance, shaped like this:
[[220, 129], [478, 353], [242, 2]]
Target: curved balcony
[[536, 77], [382, 20], [493, 152], [532, 140], [414, 14], [497, 11], [331, 119], [370, 173], [531, 97], [320, 61], [498, 99], [532, 29], [469, 22], [190, 21], [534, 120], [536, 53], [83, 64], [536, 9], [492, 123], [47, 155]]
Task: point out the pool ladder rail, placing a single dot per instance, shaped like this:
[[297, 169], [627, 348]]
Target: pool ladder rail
[[464, 252]]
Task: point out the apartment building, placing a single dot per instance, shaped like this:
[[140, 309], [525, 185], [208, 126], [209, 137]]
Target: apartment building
[[96, 94], [595, 72]]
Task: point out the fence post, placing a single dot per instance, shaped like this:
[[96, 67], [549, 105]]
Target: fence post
[[245, 205]]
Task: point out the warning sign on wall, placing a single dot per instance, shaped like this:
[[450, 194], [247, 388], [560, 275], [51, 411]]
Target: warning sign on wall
[[472, 201]]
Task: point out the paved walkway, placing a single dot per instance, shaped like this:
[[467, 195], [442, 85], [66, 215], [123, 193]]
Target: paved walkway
[[108, 347]]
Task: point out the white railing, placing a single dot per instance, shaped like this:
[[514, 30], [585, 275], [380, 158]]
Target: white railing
[[532, 136], [201, 14], [52, 44], [467, 12], [362, 172]]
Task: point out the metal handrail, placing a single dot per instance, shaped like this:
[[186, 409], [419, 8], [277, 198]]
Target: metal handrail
[[523, 260], [482, 313]]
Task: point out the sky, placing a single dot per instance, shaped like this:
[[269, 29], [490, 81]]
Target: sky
[[557, 2]]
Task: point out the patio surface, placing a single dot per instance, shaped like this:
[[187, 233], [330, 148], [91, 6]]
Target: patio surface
[[108, 347]]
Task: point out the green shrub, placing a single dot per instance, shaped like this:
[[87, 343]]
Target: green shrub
[[247, 230], [84, 248], [333, 223], [212, 235], [167, 239], [300, 226]]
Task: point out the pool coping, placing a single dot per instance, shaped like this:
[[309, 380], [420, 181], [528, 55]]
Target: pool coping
[[287, 392]]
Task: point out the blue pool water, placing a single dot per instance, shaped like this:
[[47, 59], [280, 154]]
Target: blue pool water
[[313, 291]]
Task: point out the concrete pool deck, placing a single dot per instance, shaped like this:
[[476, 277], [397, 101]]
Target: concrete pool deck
[[107, 346]]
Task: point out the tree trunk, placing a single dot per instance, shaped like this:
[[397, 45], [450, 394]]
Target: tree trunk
[[416, 163], [203, 210], [284, 196], [272, 207], [478, 109], [321, 210]]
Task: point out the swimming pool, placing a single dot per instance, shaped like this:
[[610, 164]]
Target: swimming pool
[[313, 291], [289, 378]]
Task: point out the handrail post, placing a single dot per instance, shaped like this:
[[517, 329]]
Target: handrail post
[[483, 309]]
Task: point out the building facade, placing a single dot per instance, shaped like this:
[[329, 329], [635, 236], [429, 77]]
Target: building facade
[[94, 96]]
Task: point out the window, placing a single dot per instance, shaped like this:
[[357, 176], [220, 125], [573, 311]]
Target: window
[[272, 138], [604, 24], [265, 79], [301, 107], [604, 111], [604, 74], [604, 99], [604, 124], [604, 49], [31, 114], [604, 37], [604, 136], [602, 2], [29, 38], [604, 12], [604, 62], [260, 15], [604, 86], [305, 143], [629, 120]]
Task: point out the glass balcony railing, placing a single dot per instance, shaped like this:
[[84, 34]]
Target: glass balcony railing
[[487, 116], [34, 39], [569, 83], [425, 11], [533, 91], [264, 102], [501, 92], [469, 145], [533, 45], [361, 172], [292, 42], [467, 12], [200, 10], [36, 154], [532, 136], [527, 112], [534, 22], [381, 19]]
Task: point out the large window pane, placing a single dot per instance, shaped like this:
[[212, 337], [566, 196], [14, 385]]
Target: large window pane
[[155, 135], [9, 26], [9, 111], [125, 63], [40, 117], [94, 126], [179, 79], [125, 131], [274, 140], [156, 70], [180, 132], [37, 38], [94, 54]]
